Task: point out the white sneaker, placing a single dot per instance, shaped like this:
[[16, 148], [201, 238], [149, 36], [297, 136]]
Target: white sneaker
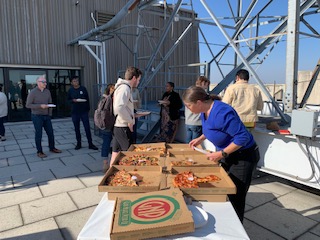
[[3, 138]]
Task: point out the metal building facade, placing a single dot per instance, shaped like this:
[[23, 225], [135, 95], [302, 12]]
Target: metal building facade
[[35, 34]]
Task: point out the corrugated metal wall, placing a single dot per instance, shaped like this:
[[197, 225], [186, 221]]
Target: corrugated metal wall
[[36, 32]]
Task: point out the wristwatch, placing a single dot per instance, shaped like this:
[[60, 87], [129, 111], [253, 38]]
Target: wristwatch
[[224, 154]]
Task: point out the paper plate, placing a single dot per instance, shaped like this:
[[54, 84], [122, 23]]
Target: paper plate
[[162, 101], [200, 217], [81, 100], [142, 113], [51, 105]]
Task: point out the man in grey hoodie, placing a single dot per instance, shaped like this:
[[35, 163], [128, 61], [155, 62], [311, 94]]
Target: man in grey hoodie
[[124, 111]]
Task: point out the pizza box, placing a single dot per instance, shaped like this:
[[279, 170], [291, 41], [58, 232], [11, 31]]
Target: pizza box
[[180, 146], [188, 161], [151, 177], [223, 187], [151, 215], [140, 156], [208, 198], [159, 148]]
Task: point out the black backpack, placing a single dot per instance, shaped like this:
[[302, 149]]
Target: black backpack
[[103, 117]]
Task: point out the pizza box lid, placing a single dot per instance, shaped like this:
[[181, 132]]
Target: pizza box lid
[[151, 177], [180, 146], [159, 147], [224, 186], [139, 155], [150, 215], [189, 161]]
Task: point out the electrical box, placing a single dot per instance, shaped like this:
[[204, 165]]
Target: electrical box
[[304, 122]]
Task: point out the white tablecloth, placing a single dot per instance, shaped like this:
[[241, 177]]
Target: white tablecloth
[[223, 223]]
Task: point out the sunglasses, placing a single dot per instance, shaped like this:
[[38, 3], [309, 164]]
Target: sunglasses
[[43, 81]]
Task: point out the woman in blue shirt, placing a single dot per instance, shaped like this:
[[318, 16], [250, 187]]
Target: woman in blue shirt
[[236, 149]]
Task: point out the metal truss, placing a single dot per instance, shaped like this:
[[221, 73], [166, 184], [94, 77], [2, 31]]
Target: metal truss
[[245, 36]]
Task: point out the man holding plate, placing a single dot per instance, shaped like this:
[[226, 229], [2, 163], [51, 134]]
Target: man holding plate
[[39, 100], [80, 107]]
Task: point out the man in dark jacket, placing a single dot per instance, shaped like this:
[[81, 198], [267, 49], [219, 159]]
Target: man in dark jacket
[[79, 99]]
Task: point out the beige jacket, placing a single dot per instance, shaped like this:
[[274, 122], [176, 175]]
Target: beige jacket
[[246, 99]]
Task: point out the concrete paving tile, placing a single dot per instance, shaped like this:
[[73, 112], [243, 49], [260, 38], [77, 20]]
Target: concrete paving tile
[[94, 166], [308, 236], [16, 196], [4, 163], [279, 220], [1, 148], [16, 160], [97, 155], [10, 218], [42, 230], [46, 164], [256, 232], [5, 183], [86, 197], [302, 202], [83, 150], [27, 151], [26, 145], [316, 230], [32, 178], [50, 155], [71, 224], [12, 153], [66, 141], [47, 207], [91, 179], [20, 137], [28, 140], [257, 196], [76, 160], [12, 147], [13, 170], [65, 146], [8, 142], [32, 158], [60, 186], [273, 184], [70, 171]]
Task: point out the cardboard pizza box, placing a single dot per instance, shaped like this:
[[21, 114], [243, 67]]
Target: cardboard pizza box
[[180, 146], [151, 215], [159, 148], [188, 161], [208, 198], [149, 179], [222, 187], [139, 156]]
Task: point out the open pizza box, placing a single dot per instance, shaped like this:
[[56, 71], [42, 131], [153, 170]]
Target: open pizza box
[[206, 191], [148, 179], [151, 215], [159, 148], [182, 160], [139, 159], [185, 146]]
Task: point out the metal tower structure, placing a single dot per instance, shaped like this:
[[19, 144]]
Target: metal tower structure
[[232, 33]]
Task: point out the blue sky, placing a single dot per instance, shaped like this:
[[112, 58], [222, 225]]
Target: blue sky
[[274, 66]]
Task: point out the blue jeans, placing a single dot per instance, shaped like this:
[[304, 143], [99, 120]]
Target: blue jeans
[[84, 117], [193, 132], [105, 148], [39, 122]]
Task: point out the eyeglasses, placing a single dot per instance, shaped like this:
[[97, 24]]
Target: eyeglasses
[[43, 81]]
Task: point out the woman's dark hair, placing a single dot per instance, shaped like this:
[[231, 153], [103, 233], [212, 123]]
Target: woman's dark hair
[[108, 88], [193, 94], [171, 84]]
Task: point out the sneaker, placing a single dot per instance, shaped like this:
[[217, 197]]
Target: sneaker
[[55, 150], [3, 138], [41, 155], [78, 146], [91, 146]]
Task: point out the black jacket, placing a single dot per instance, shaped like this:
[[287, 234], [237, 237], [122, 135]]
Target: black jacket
[[175, 104]]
